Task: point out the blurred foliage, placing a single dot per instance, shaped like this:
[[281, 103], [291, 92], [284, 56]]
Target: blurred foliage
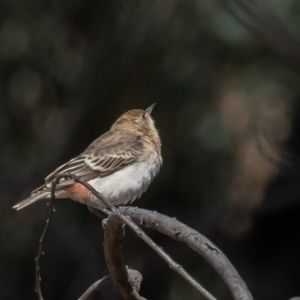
[[226, 108]]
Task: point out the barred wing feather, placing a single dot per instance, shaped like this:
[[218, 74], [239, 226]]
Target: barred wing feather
[[101, 158]]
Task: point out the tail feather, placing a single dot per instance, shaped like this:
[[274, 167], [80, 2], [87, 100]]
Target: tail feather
[[31, 199]]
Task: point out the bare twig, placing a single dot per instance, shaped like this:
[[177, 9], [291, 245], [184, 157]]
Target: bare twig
[[180, 232], [113, 243], [37, 289], [172, 264], [41, 241]]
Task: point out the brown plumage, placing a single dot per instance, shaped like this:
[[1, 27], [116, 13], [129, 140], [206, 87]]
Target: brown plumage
[[120, 164]]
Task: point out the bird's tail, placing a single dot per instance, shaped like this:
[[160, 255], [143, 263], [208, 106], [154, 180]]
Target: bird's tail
[[33, 198]]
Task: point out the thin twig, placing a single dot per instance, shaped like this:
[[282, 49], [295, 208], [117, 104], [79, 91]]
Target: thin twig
[[37, 289], [172, 264]]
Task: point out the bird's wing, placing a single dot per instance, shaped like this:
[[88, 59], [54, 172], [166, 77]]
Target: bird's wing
[[109, 153]]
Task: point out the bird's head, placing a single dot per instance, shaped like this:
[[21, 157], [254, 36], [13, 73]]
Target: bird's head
[[137, 121]]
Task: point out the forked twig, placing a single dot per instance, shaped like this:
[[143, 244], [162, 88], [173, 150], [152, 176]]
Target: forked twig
[[213, 255]]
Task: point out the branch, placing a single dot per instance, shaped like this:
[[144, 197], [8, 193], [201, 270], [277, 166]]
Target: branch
[[172, 264], [113, 243], [170, 227], [180, 232]]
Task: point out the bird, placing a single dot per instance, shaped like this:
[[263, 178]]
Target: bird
[[120, 164]]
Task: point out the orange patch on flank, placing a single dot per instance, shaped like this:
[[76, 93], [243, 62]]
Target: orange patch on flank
[[77, 191]]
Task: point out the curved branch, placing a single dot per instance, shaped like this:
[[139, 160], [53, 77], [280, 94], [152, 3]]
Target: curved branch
[[180, 232], [106, 283], [113, 243], [96, 288]]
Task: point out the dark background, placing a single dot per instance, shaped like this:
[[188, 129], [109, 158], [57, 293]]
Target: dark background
[[225, 77]]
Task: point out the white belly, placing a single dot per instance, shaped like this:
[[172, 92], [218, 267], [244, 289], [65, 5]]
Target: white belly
[[125, 185]]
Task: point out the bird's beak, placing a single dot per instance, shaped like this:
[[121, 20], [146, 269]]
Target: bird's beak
[[150, 108]]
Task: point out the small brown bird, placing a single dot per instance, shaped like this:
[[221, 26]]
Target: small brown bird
[[120, 164]]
